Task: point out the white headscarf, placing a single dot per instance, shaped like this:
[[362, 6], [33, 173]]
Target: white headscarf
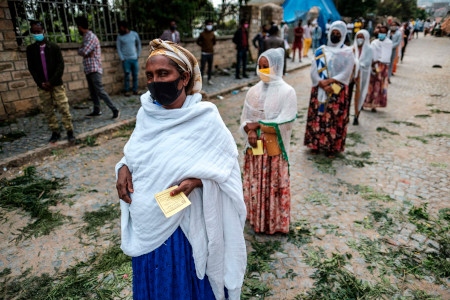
[[274, 102], [339, 60], [363, 59], [363, 65]]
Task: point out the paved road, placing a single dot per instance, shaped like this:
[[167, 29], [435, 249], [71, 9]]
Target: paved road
[[400, 153]]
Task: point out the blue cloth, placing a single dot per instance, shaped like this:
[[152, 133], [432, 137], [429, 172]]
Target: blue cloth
[[129, 45], [168, 273], [130, 66]]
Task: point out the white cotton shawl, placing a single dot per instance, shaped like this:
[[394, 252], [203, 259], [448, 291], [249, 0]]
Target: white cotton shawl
[[166, 147], [273, 102], [339, 59], [363, 66], [382, 50]]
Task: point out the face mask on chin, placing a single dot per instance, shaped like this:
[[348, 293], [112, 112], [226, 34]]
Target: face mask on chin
[[165, 92]]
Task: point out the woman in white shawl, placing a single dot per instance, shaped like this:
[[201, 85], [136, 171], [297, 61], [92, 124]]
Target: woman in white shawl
[[328, 113], [269, 111], [199, 252], [363, 67]]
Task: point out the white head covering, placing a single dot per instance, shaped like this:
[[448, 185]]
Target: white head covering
[[339, 60], [274, 102], [363, 66], [362, 58], [342, 28], [275, 56]]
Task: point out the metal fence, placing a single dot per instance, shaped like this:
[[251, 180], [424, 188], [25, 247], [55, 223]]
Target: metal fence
[[58, 18]]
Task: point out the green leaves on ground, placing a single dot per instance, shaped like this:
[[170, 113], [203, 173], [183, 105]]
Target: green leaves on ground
[[34, 195], [103, 276]]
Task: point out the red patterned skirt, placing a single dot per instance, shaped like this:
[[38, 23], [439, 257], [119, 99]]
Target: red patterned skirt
[[377, 92], [327, 132], [267, 192]]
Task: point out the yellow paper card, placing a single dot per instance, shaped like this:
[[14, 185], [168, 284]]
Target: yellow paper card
[[170, 205], [259, 148], [336, 88]]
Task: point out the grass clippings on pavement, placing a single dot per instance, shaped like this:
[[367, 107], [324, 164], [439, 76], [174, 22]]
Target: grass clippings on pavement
[[258, 262], [99, 218], [104, 276], [34, 195], [384, 129], [355, 137], [300, 233], [406, 123], [335, 281]]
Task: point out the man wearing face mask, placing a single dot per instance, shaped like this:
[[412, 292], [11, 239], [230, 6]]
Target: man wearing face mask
[[240, 39], [382, 50], [129, 48], [395, 36], [171, 34], [46, 65], [206, 41]]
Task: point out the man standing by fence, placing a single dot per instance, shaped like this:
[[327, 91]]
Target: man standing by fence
[[46, 65], [206, 41], [129, 48], [92, 63]]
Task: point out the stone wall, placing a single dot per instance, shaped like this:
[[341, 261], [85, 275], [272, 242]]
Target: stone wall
[[18, 91]]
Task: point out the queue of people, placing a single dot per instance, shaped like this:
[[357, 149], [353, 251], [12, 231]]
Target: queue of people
[[180, 145]]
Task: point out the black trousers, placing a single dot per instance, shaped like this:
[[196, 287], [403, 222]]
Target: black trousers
[[207, 59]]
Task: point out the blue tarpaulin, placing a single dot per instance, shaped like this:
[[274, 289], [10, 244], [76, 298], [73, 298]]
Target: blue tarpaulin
[[294, 10]]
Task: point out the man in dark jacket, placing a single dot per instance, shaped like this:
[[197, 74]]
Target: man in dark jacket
[[275, 41], [240, 38], [46, 65], [206, 41]]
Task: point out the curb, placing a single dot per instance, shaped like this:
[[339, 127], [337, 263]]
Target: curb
[[28, 157]]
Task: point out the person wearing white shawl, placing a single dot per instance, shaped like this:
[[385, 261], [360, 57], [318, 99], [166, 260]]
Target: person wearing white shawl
[[198, 253], [267, 118], [328, 113], [363, 67], [379, 77]]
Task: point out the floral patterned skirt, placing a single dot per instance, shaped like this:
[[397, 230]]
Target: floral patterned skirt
[[377, 92], [267, 192], [327, 132]]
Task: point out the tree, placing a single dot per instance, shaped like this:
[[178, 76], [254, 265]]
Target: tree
[[356, 8], [401, 9], [155, 15]]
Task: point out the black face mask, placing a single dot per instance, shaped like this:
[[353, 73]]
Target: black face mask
[[335, 38], [165, 93], [173, 28]]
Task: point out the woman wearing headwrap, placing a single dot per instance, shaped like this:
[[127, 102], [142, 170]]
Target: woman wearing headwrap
[[199, 252], [328, 113], [363, 67], [269, 111]]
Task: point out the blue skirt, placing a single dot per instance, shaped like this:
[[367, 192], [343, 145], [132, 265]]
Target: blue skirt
[[168, 272]]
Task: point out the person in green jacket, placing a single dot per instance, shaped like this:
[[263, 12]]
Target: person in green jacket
[[46, 65]]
